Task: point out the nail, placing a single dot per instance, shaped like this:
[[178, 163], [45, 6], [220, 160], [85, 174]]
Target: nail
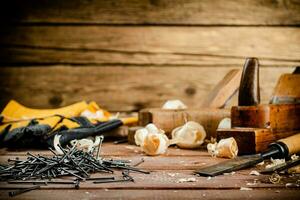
[[21, 191]]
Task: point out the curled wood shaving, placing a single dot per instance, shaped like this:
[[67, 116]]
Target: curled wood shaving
[[155, 144], [275, 178], [225, 123], [225, 148], [152, 140], [174, 104], [142, 133], [190, 135]]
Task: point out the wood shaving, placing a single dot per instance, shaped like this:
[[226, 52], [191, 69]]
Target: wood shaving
[[261, 163], [225, 123], [191, 135], [245, 188], [184, 180], [155, 144], [152, 140], [294, 157], [275, 178], [142, 133], [173, 105], [254, 172], [275, 162], [225, 148], [231, 173]]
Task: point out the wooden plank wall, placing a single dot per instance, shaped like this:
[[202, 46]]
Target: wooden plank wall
[[131, 54]]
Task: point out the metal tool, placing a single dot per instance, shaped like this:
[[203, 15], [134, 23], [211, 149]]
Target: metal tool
[[287, 90], [280, 149]]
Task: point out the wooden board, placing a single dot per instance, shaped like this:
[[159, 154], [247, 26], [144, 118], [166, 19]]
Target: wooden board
[[166, 172], [159, 194], [110, 86], [214, 12], [166, 179], [148, 45]]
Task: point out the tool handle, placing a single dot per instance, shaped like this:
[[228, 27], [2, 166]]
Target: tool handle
[[81, 133], [292, 143], [249, 93]]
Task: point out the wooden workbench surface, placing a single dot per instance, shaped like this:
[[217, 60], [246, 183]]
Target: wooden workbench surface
[[163, 182]]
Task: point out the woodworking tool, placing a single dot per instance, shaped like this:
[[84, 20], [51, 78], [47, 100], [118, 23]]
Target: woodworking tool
[[287, 90], [254, 125], [280, 149]]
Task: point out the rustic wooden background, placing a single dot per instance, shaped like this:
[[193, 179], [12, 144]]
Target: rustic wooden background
[[131, 54]]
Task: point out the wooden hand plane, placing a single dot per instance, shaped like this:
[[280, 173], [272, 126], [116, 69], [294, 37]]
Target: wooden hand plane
[[255, 125]]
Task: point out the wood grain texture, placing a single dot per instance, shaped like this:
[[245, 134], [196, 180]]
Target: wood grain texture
[[175, 194], [118, 88], [287, 89], [168, 120], [252, 140], [164, 178], [149, 45], [224, 90], [277, 117], [292, 143], [192, 12]]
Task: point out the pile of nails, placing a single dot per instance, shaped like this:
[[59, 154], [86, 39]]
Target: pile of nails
[[37, 169]]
